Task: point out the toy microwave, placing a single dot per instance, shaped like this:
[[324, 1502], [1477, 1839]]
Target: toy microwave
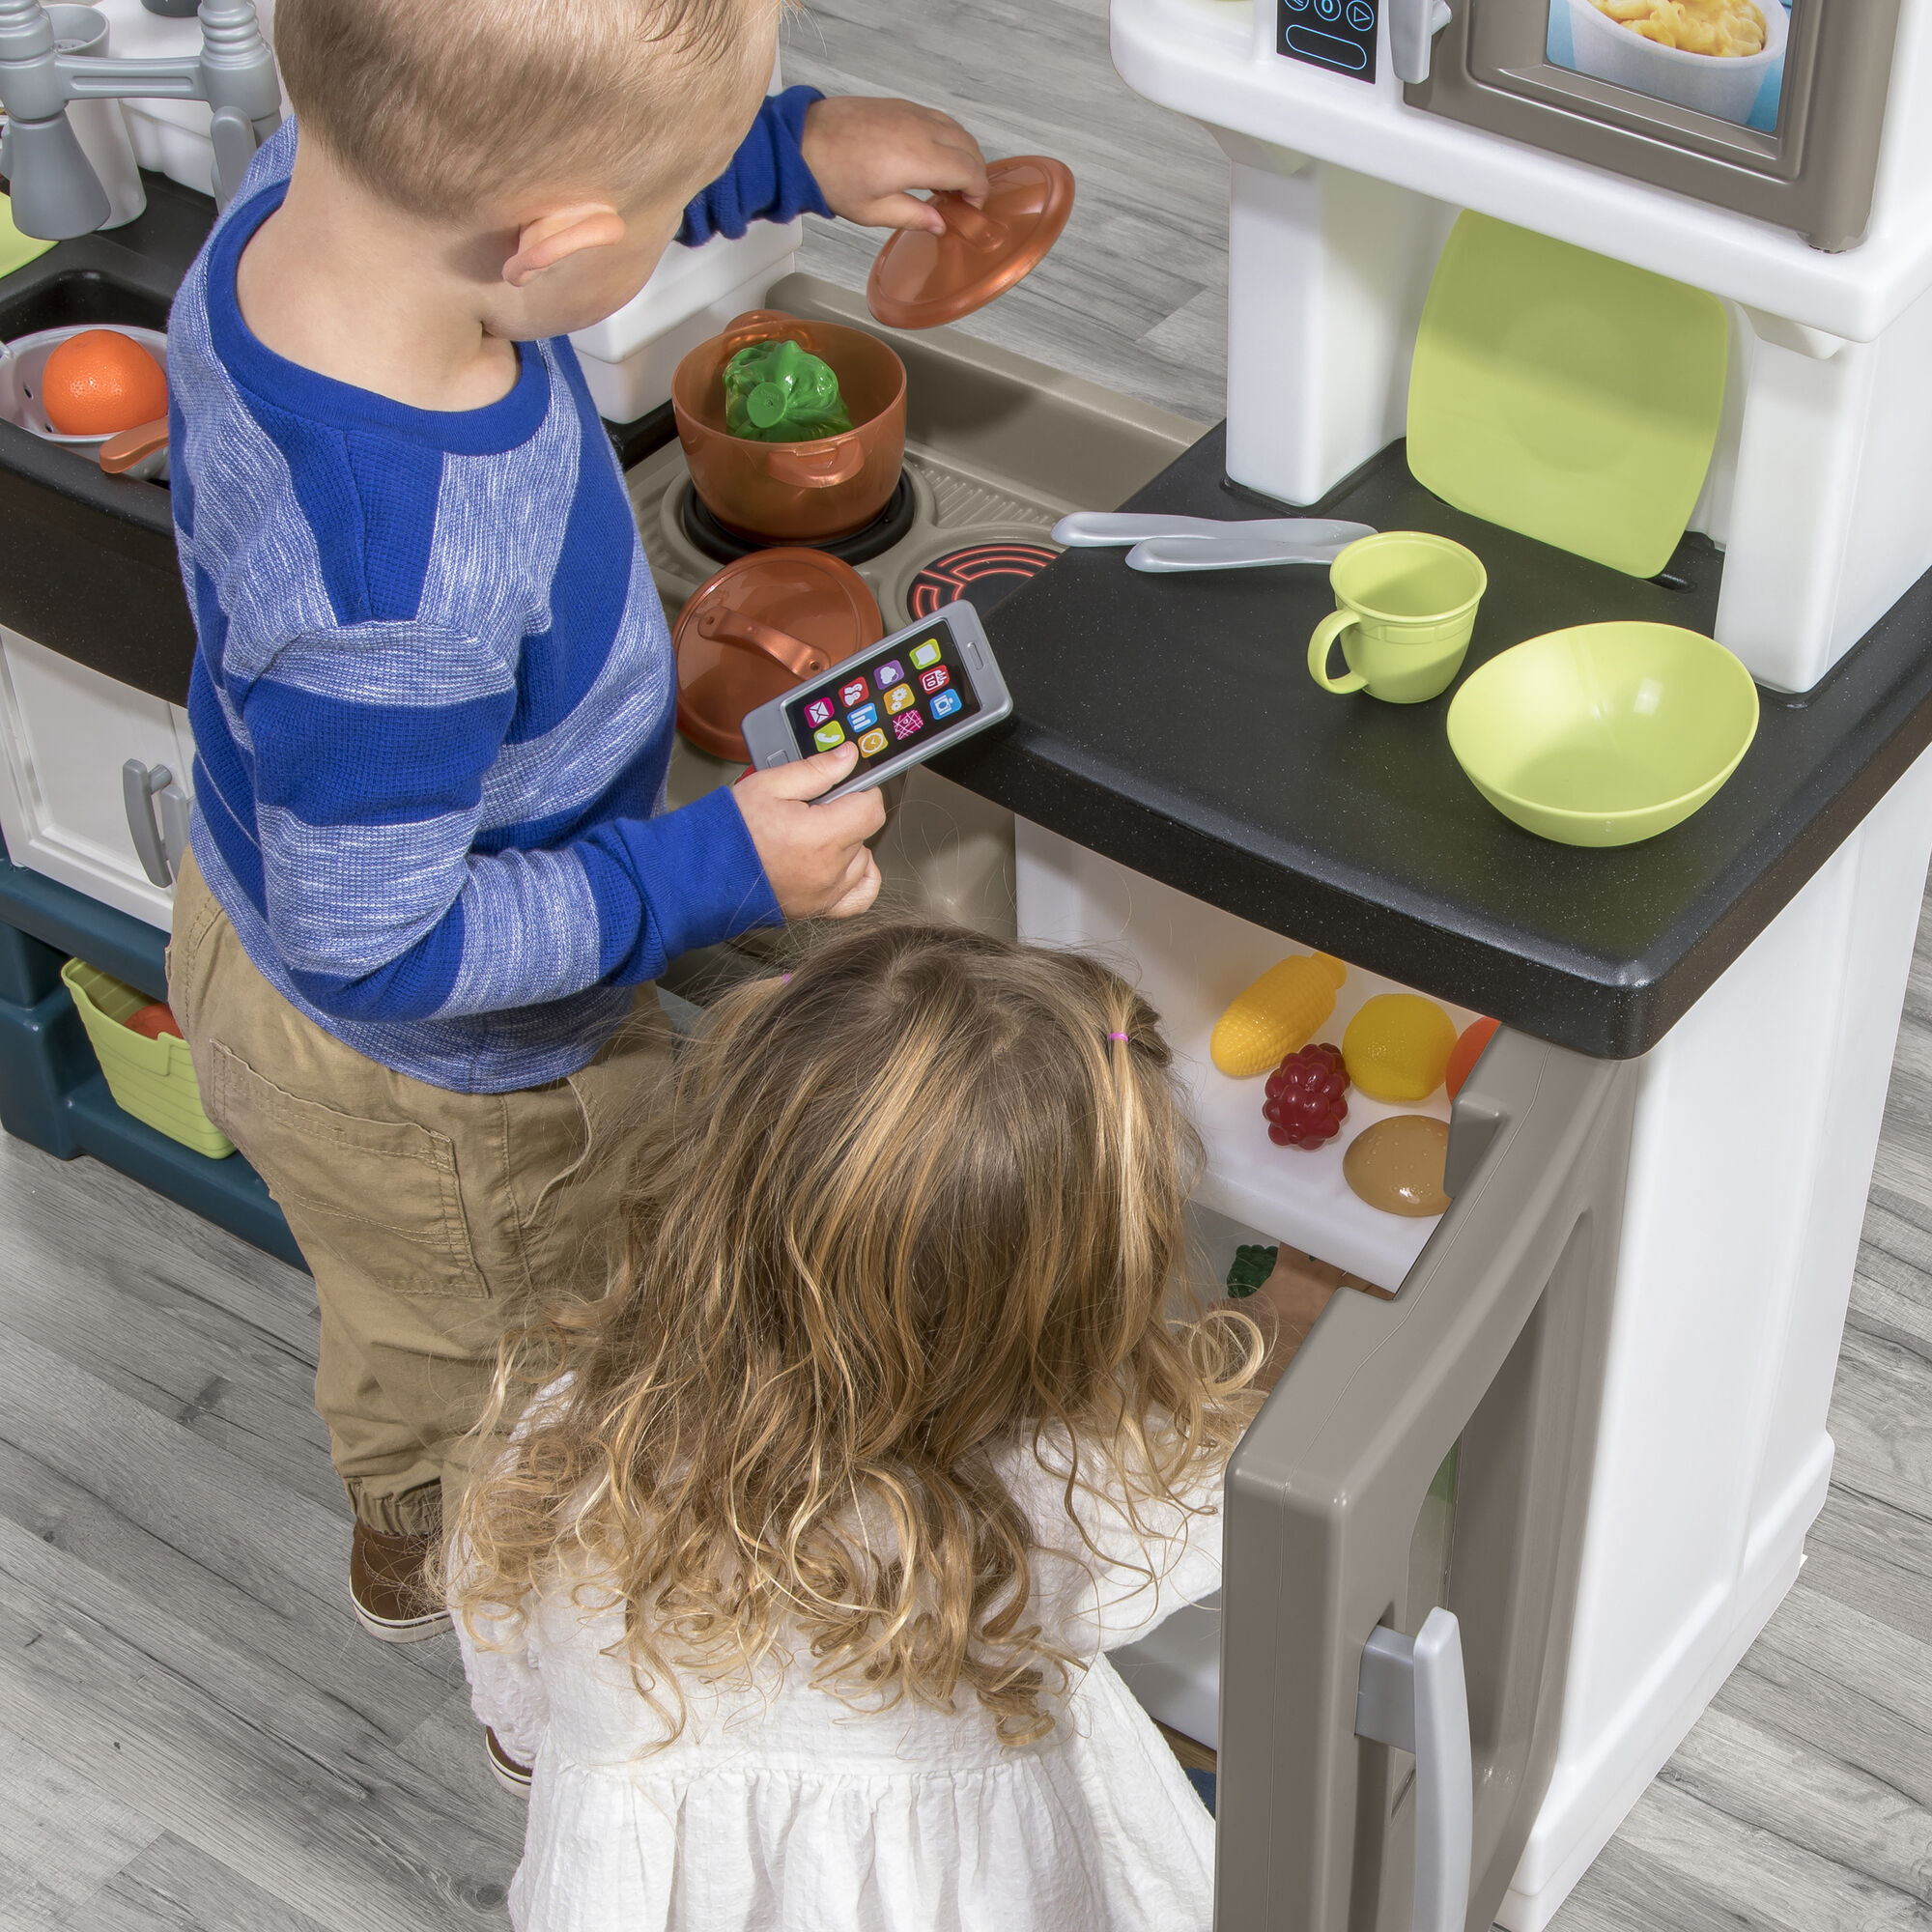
[[1772, 108]]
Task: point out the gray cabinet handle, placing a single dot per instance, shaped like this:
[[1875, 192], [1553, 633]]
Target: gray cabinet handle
[[1412, 1696], [160, 847], [174, 828]]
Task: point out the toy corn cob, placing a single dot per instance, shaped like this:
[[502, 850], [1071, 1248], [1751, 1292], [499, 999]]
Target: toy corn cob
[[1277, 1014]]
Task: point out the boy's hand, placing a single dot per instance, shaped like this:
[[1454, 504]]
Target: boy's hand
[[813, 855], [866, 157]]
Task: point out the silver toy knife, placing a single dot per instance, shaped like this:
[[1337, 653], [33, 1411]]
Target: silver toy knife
[[1175, 554], [1086, 528]]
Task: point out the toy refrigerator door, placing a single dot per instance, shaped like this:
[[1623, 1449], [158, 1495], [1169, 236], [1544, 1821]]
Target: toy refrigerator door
[[1434, 1449]]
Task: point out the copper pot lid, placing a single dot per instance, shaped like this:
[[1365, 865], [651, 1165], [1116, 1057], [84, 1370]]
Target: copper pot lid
[[760, 628], [921, 280]]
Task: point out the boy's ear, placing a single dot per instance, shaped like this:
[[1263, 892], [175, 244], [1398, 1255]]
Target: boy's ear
[[554, 237]]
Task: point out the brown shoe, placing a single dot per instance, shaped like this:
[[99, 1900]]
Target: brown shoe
[[514, 1777], [387, 1589]]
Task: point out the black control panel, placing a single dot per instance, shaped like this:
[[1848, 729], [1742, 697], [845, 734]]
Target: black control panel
[[1339, 35]]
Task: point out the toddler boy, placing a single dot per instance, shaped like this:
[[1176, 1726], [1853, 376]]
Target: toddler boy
[[434, 695]]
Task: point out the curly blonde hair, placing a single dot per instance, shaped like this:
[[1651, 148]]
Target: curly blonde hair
[[920, 1204]]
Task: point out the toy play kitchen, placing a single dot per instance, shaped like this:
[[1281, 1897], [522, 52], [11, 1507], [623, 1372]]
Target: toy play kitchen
[[1561, 362], [1649, 339]]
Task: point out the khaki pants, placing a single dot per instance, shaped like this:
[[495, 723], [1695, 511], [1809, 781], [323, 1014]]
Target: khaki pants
[[434, 1222]]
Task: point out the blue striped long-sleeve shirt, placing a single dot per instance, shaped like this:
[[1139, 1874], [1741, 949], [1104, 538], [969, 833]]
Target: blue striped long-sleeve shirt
[[434, 694]]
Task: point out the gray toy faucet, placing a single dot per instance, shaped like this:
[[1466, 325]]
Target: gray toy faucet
[[56, 193]]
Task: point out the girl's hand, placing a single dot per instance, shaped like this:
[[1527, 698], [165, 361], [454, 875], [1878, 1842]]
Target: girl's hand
[[866, 157], [813, 855]]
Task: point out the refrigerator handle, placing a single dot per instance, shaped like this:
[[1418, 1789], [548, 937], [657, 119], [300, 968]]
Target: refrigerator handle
[[1412, 1696]]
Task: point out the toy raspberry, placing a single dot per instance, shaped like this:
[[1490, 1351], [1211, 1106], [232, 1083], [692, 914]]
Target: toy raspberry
[[1305, 1107]]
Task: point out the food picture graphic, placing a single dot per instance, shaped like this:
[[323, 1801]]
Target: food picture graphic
[[1727, 29], [1724, 58]]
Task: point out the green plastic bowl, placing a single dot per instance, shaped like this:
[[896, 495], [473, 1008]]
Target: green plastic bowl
[[1605, 734]]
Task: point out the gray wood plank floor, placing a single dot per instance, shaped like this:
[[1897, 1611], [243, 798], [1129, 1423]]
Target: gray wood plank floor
[[193, 1736], [1134, 296]]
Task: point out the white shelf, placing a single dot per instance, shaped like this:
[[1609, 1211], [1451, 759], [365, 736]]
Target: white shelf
[[1213, 60], [1189, 961]]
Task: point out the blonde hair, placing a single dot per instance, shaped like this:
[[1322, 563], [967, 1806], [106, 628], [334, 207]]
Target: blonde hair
[[921, 1204], [443, 106]]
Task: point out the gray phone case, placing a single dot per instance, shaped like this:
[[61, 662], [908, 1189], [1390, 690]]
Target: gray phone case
[[767, 732]]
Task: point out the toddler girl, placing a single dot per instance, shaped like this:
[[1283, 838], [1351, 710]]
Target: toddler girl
[[796, 1583]]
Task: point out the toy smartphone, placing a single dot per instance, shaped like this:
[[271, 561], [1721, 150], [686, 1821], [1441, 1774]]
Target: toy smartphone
[[920, 692]]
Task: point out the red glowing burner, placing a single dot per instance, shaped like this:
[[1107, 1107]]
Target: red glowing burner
[[982, 574]]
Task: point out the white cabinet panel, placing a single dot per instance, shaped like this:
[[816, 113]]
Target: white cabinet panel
[[65, 733]]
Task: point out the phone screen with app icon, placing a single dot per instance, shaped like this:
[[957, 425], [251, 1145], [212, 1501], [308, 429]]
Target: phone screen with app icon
[[911, 691]]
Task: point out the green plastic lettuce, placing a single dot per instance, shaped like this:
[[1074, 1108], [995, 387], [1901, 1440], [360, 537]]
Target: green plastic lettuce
[[778, 392], [1252, 1266]]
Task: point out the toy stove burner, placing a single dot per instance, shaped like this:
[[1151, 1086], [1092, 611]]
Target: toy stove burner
[[982, 574], [717, 540]]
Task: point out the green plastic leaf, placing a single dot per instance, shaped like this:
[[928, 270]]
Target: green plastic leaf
[[780, 392], [1252, 1266]]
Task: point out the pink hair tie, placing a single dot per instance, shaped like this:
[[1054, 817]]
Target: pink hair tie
[[1116, 1036], [784, 979]]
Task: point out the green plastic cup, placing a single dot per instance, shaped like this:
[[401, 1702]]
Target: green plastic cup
[[1405, 606]]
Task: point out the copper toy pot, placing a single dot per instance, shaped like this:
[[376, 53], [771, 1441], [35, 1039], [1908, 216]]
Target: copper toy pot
[[760, 628], [795, 491]]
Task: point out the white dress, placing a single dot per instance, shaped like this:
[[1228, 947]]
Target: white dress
[[783, 1810]]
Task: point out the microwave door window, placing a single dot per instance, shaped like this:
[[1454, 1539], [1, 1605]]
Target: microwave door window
[[1724, 58]]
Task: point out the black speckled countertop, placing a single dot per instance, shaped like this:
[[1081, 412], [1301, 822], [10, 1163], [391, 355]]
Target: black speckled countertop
[[1169, 722]]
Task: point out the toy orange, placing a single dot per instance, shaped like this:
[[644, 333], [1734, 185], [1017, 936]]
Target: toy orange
[[153, 1021], [1476, 1035], [99, 382]]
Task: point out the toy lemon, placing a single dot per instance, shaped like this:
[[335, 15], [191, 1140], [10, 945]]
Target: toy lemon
[[1277, 1016], [1398, 1046]]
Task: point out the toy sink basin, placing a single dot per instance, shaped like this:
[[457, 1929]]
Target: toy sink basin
[[1605, 734]]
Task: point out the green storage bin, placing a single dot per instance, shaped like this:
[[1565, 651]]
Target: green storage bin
[[151, 1079]]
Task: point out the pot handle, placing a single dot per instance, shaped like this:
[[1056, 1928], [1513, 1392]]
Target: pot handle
[[121, 452], [962, 219], [818, 469], [725, 626], [765, 325]]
